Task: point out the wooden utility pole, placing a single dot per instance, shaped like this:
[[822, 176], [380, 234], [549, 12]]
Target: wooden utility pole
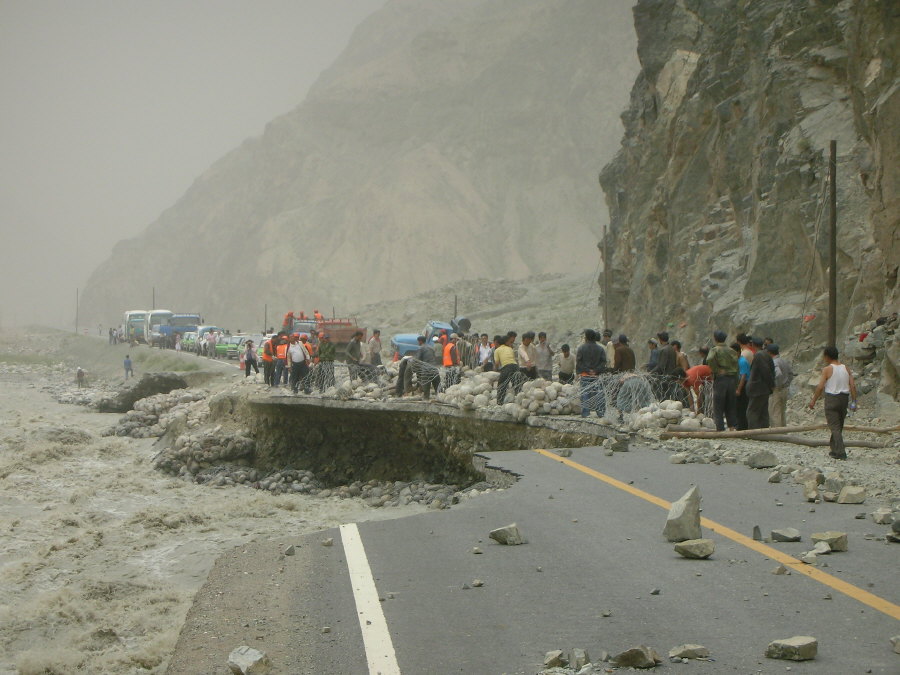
[[455, 306], [832, 248], [605, 254], [606, 277]]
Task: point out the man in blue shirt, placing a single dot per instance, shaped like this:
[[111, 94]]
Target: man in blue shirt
[[741, 393]]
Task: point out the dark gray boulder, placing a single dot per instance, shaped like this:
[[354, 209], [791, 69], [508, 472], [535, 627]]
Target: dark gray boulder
[[148, 385]]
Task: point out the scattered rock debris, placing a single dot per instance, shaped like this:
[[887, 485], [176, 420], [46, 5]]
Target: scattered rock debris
[[683, 521], [696, 548], [797, 648], [245, 660], [510, 535]]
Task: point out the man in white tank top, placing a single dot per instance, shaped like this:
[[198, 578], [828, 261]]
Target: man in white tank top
[[839, 389]]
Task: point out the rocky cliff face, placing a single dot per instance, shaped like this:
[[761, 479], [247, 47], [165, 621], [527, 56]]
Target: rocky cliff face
[[451, 140], [718, 192]]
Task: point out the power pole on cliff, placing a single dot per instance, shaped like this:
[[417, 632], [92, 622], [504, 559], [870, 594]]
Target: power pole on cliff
[[605, 253], [832, 248], [606, 277]]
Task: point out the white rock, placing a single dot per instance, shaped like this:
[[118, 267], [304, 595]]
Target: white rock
[[836, 541], [683, 521], [245, 660], [798, 648]]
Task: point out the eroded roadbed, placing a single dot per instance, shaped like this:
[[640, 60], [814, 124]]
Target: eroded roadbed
[[596, 574]]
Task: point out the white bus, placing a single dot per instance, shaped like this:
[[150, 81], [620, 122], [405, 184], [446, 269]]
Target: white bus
[[133, 324], [152, 321]]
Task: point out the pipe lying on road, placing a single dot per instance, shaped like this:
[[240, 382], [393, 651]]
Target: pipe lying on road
[[675, 431]]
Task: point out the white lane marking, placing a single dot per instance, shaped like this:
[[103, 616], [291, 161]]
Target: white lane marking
[[376, 637]]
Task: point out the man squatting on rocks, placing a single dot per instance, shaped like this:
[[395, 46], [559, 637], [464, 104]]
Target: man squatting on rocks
[[839, 388]]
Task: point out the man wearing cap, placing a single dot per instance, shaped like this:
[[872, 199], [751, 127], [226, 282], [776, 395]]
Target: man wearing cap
[[609, 346], [426, 368], [438, 348], [759, 387], [784, 374], [325, 367], [722, 362], [451, 361]]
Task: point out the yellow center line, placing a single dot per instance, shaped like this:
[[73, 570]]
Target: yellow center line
[[870, 599]]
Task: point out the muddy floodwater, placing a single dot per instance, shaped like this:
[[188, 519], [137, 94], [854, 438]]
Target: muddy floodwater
[[101, 554]]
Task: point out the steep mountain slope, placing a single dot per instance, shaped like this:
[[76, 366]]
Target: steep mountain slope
[[450, 141], [716, 195]]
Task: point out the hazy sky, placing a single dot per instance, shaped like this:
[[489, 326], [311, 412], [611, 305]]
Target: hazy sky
[[111, 108]]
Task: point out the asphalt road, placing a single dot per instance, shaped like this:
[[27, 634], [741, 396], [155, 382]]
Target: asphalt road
[[593, 548]]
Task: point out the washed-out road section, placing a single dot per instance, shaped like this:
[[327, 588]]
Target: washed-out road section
[[596, 573]]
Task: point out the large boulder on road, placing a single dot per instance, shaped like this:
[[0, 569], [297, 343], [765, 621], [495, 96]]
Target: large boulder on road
[[149, 384]]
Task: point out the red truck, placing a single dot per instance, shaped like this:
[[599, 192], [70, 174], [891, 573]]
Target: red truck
[[340, 330]]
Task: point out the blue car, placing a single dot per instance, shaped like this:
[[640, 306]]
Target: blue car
[[406, 343]]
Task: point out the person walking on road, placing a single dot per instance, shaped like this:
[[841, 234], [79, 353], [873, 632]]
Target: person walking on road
[[129, 370], [839, 388]]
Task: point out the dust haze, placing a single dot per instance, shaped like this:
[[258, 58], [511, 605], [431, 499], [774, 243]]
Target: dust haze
[[111, 109]]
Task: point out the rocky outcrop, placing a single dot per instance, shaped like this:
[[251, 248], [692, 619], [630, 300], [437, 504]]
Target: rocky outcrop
[[717, 194], [462, 138], [150, 384]]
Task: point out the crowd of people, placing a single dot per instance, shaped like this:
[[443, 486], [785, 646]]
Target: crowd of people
[[743, 385]]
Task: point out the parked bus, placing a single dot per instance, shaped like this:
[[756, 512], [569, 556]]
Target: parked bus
[[153, 321], [133, 324]]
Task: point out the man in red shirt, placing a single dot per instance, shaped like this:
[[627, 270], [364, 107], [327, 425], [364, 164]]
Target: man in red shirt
[[694, 380]]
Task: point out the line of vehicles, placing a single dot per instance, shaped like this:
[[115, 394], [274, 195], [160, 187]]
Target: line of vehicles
[[161, 327]]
